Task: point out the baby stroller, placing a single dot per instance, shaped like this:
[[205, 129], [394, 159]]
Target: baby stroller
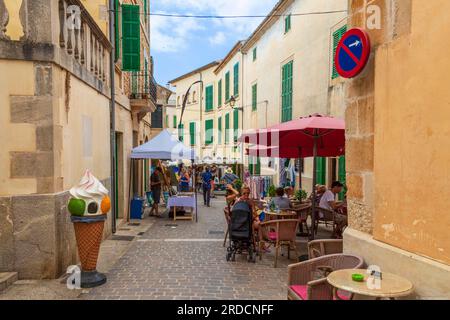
[[240, 233]]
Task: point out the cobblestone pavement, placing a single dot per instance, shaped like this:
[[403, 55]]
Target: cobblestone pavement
[[187, 261]]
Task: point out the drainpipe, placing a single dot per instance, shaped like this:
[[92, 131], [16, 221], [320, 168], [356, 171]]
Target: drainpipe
[[112, 74]]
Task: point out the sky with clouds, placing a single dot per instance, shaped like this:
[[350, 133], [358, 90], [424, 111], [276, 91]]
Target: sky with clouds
[[180, 45]]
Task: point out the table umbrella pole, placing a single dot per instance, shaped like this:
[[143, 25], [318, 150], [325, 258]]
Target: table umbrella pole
[[313, 208]]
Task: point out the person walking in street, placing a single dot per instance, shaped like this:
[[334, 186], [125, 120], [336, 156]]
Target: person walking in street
[[184, 181], [206, 185], [155, 186]]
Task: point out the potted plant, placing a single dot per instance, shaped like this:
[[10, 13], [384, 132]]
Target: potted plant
[[272, 191], [88, 206], [300, 195]]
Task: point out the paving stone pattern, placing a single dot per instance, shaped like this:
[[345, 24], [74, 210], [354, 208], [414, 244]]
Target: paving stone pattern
[[188, 262]]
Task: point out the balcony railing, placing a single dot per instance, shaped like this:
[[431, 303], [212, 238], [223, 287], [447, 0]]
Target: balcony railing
[[143, 86]]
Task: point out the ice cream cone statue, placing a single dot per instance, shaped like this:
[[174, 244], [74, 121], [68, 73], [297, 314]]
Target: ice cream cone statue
[[89, 206]]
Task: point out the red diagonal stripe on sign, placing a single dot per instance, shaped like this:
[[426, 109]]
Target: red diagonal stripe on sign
[[350, 53]]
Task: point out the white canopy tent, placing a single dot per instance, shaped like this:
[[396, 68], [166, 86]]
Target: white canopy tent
[[164, 146]]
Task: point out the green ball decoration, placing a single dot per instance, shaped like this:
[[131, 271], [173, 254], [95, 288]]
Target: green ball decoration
[[357, 277], [77, 207]]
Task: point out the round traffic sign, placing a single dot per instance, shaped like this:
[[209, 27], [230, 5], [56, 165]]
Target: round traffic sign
[[352, 53]]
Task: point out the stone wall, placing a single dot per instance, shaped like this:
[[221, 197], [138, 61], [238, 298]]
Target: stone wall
[[38, 240]]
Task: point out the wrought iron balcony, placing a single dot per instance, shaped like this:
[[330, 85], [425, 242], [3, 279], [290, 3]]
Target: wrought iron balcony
[[143, 86]]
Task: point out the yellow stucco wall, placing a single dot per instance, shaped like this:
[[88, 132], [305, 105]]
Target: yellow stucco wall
[[412, 146], [93, 7], [15, 137], [85, 104]]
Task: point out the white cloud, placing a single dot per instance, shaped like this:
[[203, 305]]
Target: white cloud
[[218, 39], [171, 36], [174, 34]]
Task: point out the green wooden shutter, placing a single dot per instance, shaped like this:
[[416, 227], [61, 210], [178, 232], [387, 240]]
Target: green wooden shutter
[[117, 29], [337, 35], [236, 80], [209, 130], [174, 121], [227, 128], [145, 10], [219, 129], [320, 170], [287, 24], [192, 133], [236, 124], [227, 86], [254, 97], [209, 94], [219, 93], [131, 38], [342, 176], [254, 53], [286, 92]]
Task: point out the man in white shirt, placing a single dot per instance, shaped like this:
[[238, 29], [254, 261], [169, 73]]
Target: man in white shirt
[[328, 200]]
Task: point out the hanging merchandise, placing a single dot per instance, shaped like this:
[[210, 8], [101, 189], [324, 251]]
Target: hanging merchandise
[[259, 185]]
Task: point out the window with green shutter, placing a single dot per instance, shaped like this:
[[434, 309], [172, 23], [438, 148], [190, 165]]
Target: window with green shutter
[[321, 170], [227, 128], [209, 96], [254, 97], [254, 53], [254, 167], [227, 86], [117, 29], [174, 122], [219, 93], [337, 35], [287, 24], [181, 132], [286, 92], [131, 38], [209, 132], [236, 79], [192, 133], [342, 176], [219, 130], [167, 121], [235, 124]]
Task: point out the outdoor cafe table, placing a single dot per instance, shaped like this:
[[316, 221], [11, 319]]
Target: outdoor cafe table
[[182, 201], [392, 286], [288, 214]]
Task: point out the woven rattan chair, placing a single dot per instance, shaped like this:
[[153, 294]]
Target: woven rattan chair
[[278, 233], [305, 281], [318, 248], [326, 217]]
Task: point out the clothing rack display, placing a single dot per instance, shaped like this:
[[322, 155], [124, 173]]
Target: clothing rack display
[[259, 185]]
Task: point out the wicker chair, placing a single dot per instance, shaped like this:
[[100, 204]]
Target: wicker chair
[[305, 281], [226, 212], [325, 217], [278, 233], [318, 248]]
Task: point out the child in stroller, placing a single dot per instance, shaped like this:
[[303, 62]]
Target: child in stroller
[[241, 232]]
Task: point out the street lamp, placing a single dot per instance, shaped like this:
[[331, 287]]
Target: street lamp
[[232, 101]]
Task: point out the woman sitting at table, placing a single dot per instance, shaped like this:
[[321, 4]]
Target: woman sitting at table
[[280, 201]]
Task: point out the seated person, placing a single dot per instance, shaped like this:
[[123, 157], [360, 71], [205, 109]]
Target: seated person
[[280, 201], [328, 201], [289, 192]]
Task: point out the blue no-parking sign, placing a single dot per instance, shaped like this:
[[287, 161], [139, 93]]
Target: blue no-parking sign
[[352, 53]]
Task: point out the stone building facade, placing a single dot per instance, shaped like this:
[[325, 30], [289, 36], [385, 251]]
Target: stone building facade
[[55, 123], [397, 145]]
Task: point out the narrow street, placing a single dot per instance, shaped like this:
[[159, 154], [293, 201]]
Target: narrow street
[[188, 262]]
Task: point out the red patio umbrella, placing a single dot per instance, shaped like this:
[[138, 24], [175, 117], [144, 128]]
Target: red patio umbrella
[[316, 134]]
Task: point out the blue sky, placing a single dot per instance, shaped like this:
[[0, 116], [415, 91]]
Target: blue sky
[[180, 45]]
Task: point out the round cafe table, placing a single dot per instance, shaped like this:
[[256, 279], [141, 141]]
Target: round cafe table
[[272, 215], [392, 286]]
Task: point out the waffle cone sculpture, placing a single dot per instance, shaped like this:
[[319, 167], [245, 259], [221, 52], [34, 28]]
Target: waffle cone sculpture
[[89, 237], [89, 206]]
